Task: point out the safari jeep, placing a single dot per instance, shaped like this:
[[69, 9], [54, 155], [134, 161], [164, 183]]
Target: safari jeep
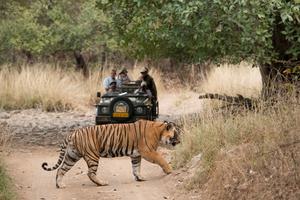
[[124, 106]]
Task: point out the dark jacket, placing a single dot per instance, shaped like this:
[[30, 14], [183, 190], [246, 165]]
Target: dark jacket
[[150, 85]]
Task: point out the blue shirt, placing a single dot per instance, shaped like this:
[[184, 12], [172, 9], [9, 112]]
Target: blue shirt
[[108, 80]]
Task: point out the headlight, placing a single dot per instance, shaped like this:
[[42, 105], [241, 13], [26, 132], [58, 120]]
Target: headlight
[[104, 110], [139, 110]]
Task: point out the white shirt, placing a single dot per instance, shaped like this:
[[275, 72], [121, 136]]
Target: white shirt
[[108, 80], [123, 79]]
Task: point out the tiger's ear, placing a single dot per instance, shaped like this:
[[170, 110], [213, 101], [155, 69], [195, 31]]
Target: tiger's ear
[[169, 125]]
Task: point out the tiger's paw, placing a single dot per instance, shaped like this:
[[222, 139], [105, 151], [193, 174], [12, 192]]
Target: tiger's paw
[[139, 178], [168, 171], [60, 186]]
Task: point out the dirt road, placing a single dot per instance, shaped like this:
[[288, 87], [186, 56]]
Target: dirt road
[[35, 128], [33, 183]]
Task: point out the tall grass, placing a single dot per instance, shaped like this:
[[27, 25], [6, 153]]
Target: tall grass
[[212, 131], [226, 79], [250, 155], [43, 87], [5, 136], [52, 89], [233, 79], [238, 151]]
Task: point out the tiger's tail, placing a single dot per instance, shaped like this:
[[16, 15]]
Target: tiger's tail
[[60, 159]]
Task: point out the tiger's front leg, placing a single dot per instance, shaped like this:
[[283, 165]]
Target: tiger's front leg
[[155, 157], [136, 167]]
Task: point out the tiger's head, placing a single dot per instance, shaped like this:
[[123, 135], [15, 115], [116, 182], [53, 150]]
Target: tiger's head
[[170, 135]]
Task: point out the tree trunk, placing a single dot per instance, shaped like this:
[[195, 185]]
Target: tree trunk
[[268, 76], [29, 57], [276, 83], [80, 64], [273, 75], [104, 57]]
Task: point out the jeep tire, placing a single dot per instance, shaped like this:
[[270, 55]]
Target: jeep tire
[[130, 109]]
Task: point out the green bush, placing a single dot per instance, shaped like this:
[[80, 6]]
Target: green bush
[[6, 192]]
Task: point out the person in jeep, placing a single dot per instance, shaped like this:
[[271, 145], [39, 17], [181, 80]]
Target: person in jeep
[[149, 81], [143, 89], [149, 86], [112, 87], [123, 76], [112, 78], [131, 102]]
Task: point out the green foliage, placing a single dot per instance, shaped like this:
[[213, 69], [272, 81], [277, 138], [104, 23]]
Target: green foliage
[[188, 30], [5, 186], [45, 27], [198, 30], [76, 25], [290, 15], [25, 31]]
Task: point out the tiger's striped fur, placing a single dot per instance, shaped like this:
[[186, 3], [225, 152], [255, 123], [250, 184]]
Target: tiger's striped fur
[[136, 140]]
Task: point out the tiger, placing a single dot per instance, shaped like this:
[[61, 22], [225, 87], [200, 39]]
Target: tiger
[[137, 140]]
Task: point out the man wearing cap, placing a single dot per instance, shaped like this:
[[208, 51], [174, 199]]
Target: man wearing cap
[[150, 84], [123, 76], [108, 80], [112, 87]]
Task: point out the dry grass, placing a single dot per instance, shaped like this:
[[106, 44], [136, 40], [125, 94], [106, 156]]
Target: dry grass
[[226, 79], [5, 137], [233, 79], [51, 89], [41, 87], [252, 155]]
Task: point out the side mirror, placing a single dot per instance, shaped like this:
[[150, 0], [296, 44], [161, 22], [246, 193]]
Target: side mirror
[[99, 94]]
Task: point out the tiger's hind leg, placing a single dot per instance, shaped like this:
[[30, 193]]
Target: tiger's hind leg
[[136, 167], [92, 171], [71, 157]]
